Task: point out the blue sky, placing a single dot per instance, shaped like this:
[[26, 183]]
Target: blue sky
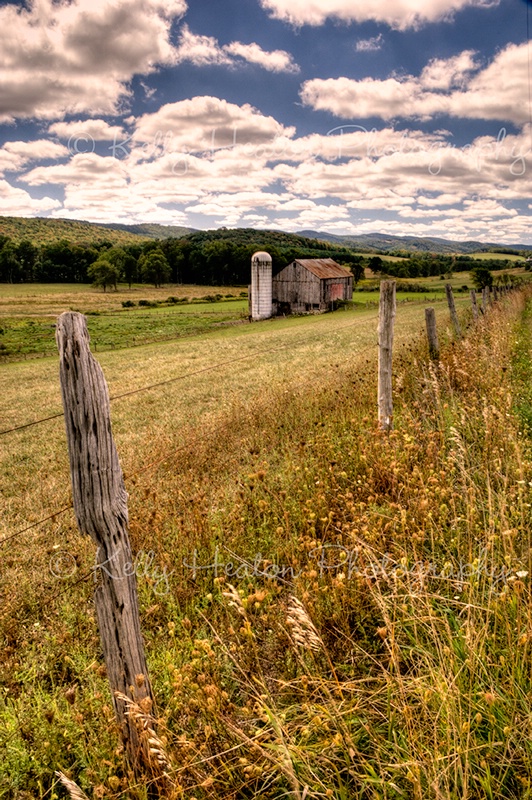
[[405, 117]]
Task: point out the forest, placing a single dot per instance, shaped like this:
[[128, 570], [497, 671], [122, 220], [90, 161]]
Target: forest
[[214, 258]]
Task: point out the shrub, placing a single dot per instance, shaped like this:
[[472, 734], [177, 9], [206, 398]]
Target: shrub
[[128, 303]]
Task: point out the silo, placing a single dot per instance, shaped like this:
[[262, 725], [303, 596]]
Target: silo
[[261, 285]]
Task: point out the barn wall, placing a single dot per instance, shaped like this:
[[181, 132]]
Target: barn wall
[[304, 291], [298, 287]]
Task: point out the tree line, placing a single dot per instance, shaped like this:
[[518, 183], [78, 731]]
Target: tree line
[[426, 265], [212, 258]]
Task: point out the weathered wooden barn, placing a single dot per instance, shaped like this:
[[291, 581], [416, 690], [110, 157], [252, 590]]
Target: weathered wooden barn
[[310, 284]]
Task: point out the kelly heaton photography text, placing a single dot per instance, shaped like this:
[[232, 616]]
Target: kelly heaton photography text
[[342, 143], [336, 561]]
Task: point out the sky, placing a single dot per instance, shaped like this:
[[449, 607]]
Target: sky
[[406, 117]]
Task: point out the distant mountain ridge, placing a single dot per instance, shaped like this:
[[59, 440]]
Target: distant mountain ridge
[[419, 244]]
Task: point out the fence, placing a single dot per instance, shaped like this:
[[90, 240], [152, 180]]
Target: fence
[[99, 493]]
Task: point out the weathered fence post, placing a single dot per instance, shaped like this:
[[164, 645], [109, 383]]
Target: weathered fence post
[[100, 505], [474, 306], [432, 334], [452, 309], [386, 321], [485, 298]]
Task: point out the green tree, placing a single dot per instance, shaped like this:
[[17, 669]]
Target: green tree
[[103, 273], [375, 264], [10, 266], [481, 277], [154, 268]]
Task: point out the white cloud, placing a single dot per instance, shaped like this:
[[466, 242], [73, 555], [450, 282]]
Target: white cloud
[[17, 202], [401, 14], [445, 73], [200, 50], [370, 45], [204, 124], [16, 155], [454, 87], [204, 50], [273, 60], [77, 57], [83, 133], [86, 168]]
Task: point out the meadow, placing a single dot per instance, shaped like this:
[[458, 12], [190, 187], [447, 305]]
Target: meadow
[[328, 611], [143, 314]]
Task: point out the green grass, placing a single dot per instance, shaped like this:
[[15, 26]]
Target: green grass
[[498, 256], [28, 312]]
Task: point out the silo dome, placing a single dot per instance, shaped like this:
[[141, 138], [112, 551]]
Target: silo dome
[[261, 255]]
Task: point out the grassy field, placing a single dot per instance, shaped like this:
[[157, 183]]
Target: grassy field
[[502, 256], [28, 312], [405, 671]]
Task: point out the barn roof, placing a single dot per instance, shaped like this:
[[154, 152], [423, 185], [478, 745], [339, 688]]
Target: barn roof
[[324, 267]]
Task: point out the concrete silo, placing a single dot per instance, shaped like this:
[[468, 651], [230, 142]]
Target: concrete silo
[[261, 286]]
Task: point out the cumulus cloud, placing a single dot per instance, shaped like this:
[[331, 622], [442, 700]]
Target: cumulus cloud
[[205, 50], [14, 201], [91, 130], [77, 57], [204, 124], [455, 87], [16, 155], [401, 15]]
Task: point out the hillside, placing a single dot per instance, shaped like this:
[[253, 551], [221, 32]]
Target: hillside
[[49, 231], [150, 230]]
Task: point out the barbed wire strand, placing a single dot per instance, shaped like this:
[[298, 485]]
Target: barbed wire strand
[[186, 375], [169, 454]]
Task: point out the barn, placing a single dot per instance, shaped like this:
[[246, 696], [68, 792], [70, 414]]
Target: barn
[[310, 284]]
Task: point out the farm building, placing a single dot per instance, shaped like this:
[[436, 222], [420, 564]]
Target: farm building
[[310, 284]]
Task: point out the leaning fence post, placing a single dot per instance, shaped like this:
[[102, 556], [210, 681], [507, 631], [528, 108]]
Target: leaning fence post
[[387, 307], [100, 505], [474, 306], [452, 309], [432, 333]]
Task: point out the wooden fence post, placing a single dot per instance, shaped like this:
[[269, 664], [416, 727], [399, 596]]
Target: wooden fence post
[[432, 334], [485, 298], [474, 306], [452, 309], [387, 308], [100, 505]]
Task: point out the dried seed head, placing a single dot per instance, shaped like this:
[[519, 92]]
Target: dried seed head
[[303, 629], [72, 788], [235, 601]]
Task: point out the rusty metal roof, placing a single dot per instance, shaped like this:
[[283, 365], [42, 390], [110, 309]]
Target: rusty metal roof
[[324, 267]]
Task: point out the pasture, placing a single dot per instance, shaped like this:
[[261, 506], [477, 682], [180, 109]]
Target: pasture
[[251, 446]]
